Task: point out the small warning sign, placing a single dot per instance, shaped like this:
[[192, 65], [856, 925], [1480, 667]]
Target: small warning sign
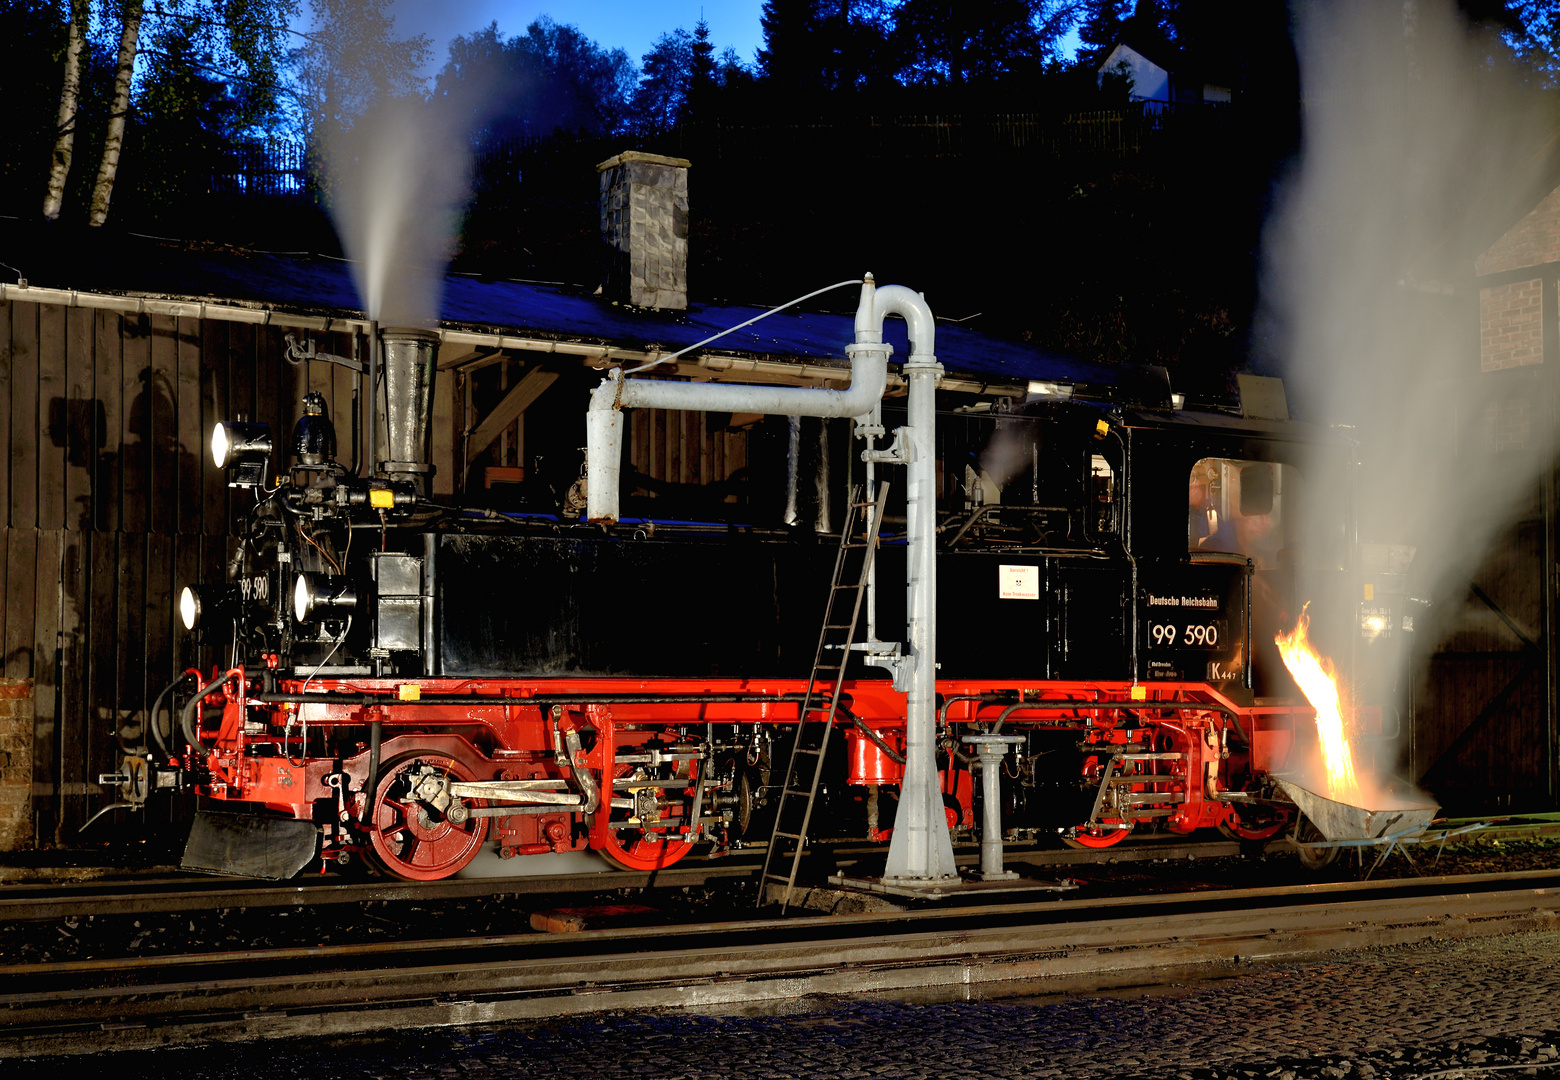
[[1018, 582]]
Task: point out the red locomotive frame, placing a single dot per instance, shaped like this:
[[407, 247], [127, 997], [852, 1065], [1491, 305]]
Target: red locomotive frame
[[627, 766]]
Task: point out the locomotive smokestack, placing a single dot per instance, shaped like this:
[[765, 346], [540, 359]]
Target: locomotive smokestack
[[406, 404]]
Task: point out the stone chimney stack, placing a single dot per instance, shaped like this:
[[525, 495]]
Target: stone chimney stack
[[644, 224]]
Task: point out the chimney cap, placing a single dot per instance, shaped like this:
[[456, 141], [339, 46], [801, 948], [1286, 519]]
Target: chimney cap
[[640, 155]]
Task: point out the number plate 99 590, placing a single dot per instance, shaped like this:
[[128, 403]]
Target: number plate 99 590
[[1187, 634]]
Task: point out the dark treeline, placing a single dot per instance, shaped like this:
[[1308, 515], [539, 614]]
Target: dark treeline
[[947, 144]]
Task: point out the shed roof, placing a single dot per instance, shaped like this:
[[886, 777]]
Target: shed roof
[[126, 265]]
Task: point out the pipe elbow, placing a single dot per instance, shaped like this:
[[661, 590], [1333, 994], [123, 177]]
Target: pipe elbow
[[868, 379], [910, 306], [606, 393]]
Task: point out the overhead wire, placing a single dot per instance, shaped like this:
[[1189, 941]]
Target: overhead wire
[[730, 329]]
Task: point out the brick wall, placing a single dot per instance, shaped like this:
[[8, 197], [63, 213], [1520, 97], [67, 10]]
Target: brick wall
[[1508, 424], [1533, 241], [1511, 325], [16, 779]]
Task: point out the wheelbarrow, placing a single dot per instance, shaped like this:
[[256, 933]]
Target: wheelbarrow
[[1338, 825]]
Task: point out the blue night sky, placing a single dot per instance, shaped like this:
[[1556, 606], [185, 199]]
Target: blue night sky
[[631, 25]]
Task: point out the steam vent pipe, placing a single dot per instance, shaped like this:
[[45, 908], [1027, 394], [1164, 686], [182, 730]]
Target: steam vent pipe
[[921, 849], [408, 371]]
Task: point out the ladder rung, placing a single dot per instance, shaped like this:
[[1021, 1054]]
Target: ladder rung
[[799, 791], [808, 750], [788, 835]]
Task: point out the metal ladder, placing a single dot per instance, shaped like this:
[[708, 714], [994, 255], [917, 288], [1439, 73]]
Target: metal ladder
[[794, 813]]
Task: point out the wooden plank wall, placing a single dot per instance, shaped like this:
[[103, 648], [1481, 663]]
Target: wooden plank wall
[[677, 446], [1481, 660], [111, 505]]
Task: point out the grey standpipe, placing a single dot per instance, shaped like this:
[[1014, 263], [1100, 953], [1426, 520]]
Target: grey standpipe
[[991, 749]]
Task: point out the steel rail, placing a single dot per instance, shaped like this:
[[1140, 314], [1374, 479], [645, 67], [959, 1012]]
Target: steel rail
[[89, 1006], [28, 901]]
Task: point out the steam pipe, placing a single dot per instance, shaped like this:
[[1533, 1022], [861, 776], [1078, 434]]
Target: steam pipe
[[793, 457], [868, 380], [373, 377]]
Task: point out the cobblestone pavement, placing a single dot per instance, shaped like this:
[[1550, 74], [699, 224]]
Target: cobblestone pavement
[[1487, 1007]]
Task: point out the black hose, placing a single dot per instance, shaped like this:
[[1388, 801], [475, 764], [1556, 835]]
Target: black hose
[[151, 719], [187, 718]]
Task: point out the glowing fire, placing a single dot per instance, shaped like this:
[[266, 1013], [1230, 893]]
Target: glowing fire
[[1314, 674]]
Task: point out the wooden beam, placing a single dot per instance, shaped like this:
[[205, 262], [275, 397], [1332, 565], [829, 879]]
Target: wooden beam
[[517, 401], [477, 361], [455, 359]]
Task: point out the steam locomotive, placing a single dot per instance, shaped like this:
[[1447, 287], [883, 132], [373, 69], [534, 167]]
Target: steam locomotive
[[409, 683]]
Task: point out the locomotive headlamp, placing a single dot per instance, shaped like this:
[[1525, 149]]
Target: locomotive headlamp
[[201, 603], [243, 450], [230, 441], [318, 596]]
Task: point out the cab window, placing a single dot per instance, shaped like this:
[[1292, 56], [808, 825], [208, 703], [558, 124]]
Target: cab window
[[1242, 507]]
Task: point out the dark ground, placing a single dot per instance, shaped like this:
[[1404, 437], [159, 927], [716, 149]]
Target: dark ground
[[1486, 1007]]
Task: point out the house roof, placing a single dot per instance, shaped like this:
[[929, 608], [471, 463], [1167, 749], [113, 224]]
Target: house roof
[[134, 266], [1184, 66], [1153, 50]]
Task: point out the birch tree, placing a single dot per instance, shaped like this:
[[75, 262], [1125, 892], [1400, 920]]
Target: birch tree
[[113, 142], [70, 97], [237, 42]]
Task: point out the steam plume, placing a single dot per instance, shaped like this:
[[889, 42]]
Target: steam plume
[[1419, 149], [398, 181]]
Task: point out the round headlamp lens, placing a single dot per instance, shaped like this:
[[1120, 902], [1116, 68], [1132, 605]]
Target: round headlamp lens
[[189, 608], [303, 598]]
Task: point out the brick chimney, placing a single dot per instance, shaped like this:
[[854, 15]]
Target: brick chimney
[[644, 226]]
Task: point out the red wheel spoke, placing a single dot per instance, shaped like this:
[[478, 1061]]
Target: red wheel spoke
[[413, 842]]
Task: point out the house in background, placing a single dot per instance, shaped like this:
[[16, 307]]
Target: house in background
[[1161, 74]]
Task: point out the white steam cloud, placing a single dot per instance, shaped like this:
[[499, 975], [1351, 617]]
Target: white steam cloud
[[398, 180], [1419, 150]]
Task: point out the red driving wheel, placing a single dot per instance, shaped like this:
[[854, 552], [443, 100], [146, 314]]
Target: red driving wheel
[[1253, 822], [642, 845], [645, 851], [412, 840], [647, 835], [1093, 836]]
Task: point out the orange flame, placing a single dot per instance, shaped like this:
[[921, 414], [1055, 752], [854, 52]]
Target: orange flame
[[1315, 676]]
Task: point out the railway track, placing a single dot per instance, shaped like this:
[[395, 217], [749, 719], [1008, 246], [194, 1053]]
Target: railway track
[[151, 894], [192, 892], [145, 1002]]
